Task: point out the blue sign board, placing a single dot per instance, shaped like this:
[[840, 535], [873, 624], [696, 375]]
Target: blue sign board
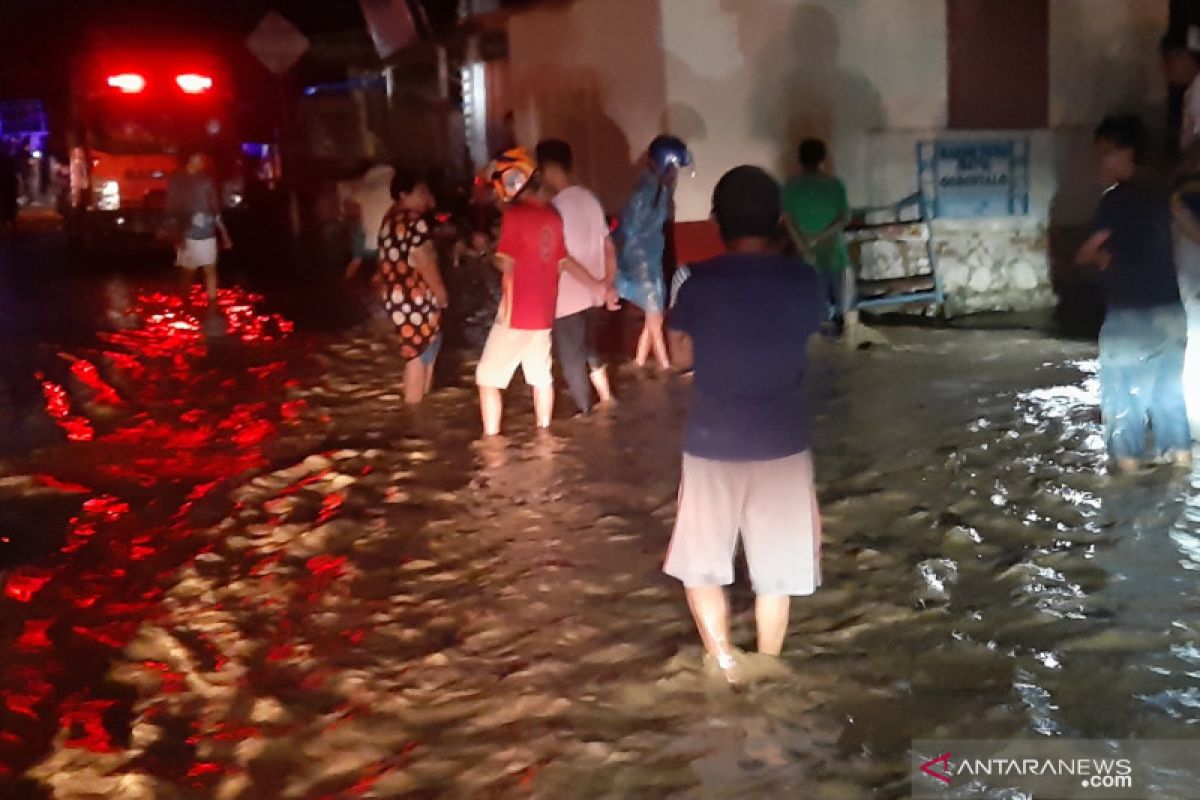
[[975, 177]]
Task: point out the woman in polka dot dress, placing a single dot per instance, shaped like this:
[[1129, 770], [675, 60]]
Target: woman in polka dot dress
[[413, 291]]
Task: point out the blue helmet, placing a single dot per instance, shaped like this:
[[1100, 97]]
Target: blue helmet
[[667, 152]]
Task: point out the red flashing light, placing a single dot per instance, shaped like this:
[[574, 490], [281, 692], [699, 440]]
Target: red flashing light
[[193, 83], [127, 83]]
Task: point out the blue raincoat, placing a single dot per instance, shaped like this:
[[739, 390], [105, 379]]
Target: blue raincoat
[[641, 243]]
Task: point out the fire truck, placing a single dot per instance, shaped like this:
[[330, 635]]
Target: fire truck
[[134, 114]]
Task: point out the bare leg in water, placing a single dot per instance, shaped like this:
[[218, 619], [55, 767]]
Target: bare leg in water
[[599, 378], [652, 338], [710, 610], [491, 408], [416, 381], [210, 281], [543, 405]]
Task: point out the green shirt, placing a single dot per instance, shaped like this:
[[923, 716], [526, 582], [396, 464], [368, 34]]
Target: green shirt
[[813, 203]]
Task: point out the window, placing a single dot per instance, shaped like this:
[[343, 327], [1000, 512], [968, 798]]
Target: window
[[998, 62]]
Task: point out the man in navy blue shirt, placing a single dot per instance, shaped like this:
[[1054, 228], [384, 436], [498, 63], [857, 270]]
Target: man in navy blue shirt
[[743, 320], [1144, 336]]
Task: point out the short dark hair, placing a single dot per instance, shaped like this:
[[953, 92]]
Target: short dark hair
[[555, 151], [747, 204], [812, 153], [1125, 132], [405, 181]]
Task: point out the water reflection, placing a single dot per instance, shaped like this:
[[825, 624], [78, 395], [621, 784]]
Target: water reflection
[[381, 609], [158, 417]]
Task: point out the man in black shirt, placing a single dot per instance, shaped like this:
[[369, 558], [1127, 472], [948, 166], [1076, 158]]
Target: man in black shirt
[[1144, 336]]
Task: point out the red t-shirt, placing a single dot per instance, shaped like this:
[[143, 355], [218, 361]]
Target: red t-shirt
[[532, 236]]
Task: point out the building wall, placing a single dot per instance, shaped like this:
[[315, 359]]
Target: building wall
[[592, 73], [744, 80]]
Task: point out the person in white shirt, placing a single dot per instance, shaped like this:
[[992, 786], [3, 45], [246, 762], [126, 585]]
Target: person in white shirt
[[579, 305], [1182, 67], [371, 196]]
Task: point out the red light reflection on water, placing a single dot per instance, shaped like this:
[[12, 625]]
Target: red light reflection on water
[[25, 690], [50, 482], [26, 582], [33, 637], [84, 722], [203, 768], [109, 508], [330, 506], [172, 681], [58, 406], [180, 434], [87, 374]]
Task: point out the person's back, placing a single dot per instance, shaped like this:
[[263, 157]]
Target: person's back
[[586, 232], [529, 255], [1144, 336], [814, 201], [531, 234], [748, 316], [1142, 272]]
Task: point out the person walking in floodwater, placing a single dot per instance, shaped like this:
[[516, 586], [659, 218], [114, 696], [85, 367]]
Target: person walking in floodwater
[[414, 293], [642, 243], [579, 305], [1144, 336], [530, 255], [741, 321], [195, 222]]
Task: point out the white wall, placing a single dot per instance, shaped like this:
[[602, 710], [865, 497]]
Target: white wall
[[1104, 58], [744, 80], [591, 72], [747, 79]]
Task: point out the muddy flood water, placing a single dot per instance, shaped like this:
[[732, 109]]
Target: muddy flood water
[[264, 579]]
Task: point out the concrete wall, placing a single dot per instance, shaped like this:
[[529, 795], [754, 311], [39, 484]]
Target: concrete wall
[[746, 80], [592, 73]]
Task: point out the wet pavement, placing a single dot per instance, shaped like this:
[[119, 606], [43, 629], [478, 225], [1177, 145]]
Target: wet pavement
[[250, 573]]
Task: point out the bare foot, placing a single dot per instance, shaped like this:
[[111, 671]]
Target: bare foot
[[1182, 458], [1128, 466], [724, 667]]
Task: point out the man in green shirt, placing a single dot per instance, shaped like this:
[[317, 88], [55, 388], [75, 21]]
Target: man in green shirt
[[816, 212]]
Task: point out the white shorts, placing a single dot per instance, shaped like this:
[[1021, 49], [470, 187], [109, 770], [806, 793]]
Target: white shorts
[[774, 506], [506, 349], [195, 253]]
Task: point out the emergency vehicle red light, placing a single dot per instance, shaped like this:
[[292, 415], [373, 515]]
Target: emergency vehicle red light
[[193, 83], [127, 82]]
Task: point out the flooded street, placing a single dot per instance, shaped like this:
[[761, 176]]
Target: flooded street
[[269, 580]]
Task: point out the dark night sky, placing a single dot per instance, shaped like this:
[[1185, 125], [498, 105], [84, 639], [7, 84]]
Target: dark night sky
[[38, 36]]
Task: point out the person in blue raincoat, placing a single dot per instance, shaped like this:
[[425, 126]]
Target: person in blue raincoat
[[642, 242]]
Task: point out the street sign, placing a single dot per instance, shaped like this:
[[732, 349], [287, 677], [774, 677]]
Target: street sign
[[975, 177], [277, 43], [391, 23]]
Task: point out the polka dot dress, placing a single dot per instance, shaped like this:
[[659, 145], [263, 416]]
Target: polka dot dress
[[406, 296]]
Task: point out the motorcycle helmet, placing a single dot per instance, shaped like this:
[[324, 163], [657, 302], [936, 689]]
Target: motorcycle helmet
[[510, 173], [667, 153]]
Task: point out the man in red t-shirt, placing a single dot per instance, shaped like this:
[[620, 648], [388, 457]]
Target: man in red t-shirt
[[531, 254]]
